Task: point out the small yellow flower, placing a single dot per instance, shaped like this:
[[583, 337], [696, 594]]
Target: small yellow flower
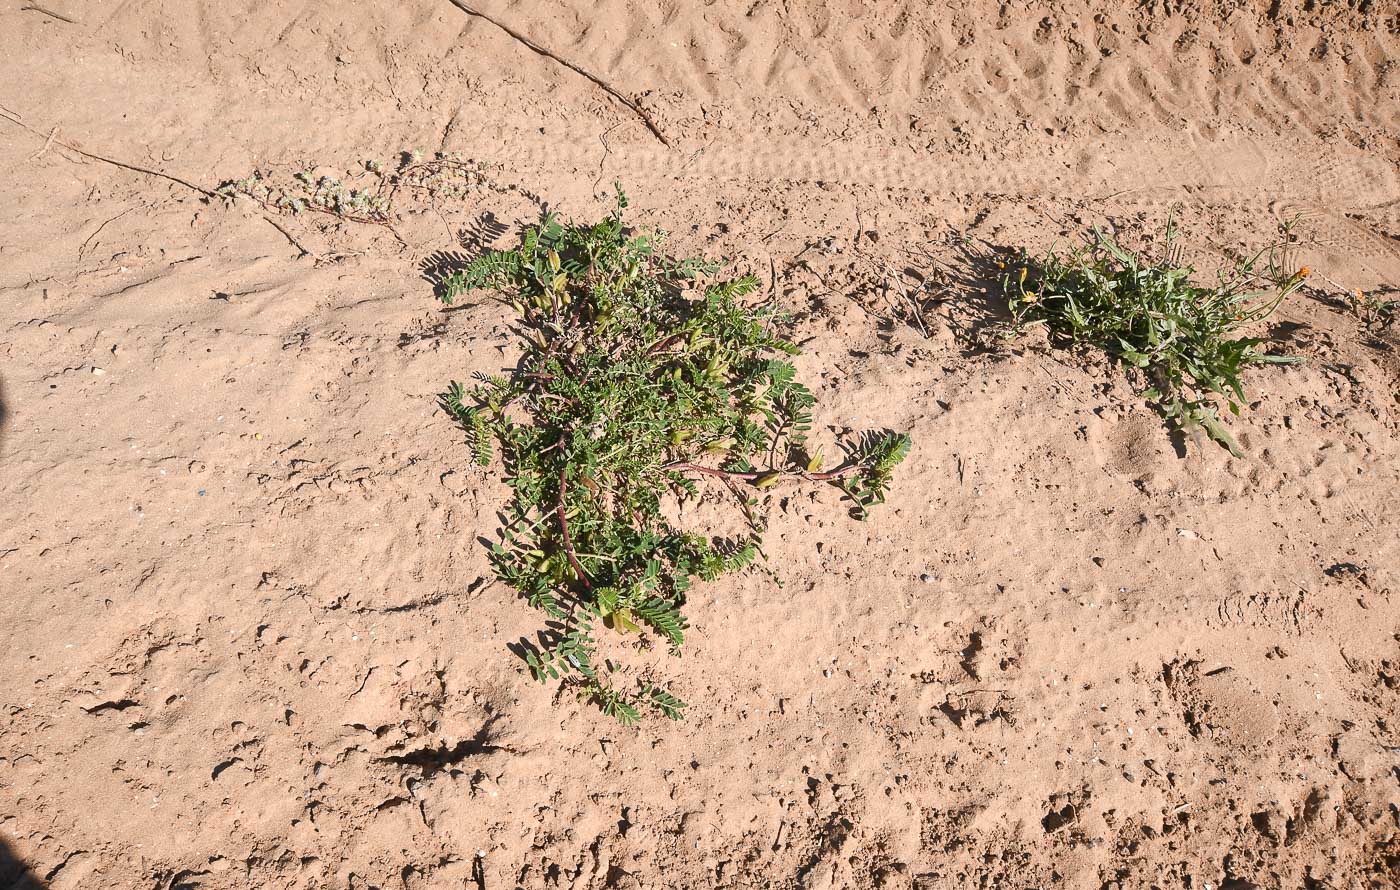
[[1304, 272]]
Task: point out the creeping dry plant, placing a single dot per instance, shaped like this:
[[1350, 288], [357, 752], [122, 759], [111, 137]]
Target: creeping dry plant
[[370, 196], [1147, 312], [637, 380]]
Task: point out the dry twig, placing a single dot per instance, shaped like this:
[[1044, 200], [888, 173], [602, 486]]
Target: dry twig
[[106, 160], [34, 7], [598, 81]]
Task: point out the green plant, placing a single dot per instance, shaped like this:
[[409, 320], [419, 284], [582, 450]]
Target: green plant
[[1147, 312], [637, 382], [1375, 312]]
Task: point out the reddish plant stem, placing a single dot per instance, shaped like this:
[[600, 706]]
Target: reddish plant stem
[[564, 529], [663, 343], [719, 474], [729, 474], [837, 473], [346, 217]]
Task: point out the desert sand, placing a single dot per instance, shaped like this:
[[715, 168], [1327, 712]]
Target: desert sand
[[249, 634]]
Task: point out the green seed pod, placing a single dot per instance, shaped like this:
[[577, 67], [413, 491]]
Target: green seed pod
[[768, 480]]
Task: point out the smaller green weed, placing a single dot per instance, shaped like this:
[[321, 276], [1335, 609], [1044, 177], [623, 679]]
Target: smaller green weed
[[641, 375], [1149, 313], [1376, 313]]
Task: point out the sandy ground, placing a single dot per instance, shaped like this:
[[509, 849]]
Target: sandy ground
[[248, 634]]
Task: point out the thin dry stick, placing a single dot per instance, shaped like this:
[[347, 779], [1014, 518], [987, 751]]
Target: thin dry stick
[[115, 163], [288, 235], [48, 12], [47, 142], [98, 231], [598, 81], [687, 467], [12, 117]]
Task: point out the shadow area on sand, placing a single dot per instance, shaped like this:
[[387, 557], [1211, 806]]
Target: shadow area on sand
[[4, 419], [15, 873]]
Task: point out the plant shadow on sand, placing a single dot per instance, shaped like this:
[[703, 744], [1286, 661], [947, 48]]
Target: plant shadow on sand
[[438, 267], [955, 284], [1376, 331], [4, 416], [472, 241], [970, 294], [15, 873], [973, 301]]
